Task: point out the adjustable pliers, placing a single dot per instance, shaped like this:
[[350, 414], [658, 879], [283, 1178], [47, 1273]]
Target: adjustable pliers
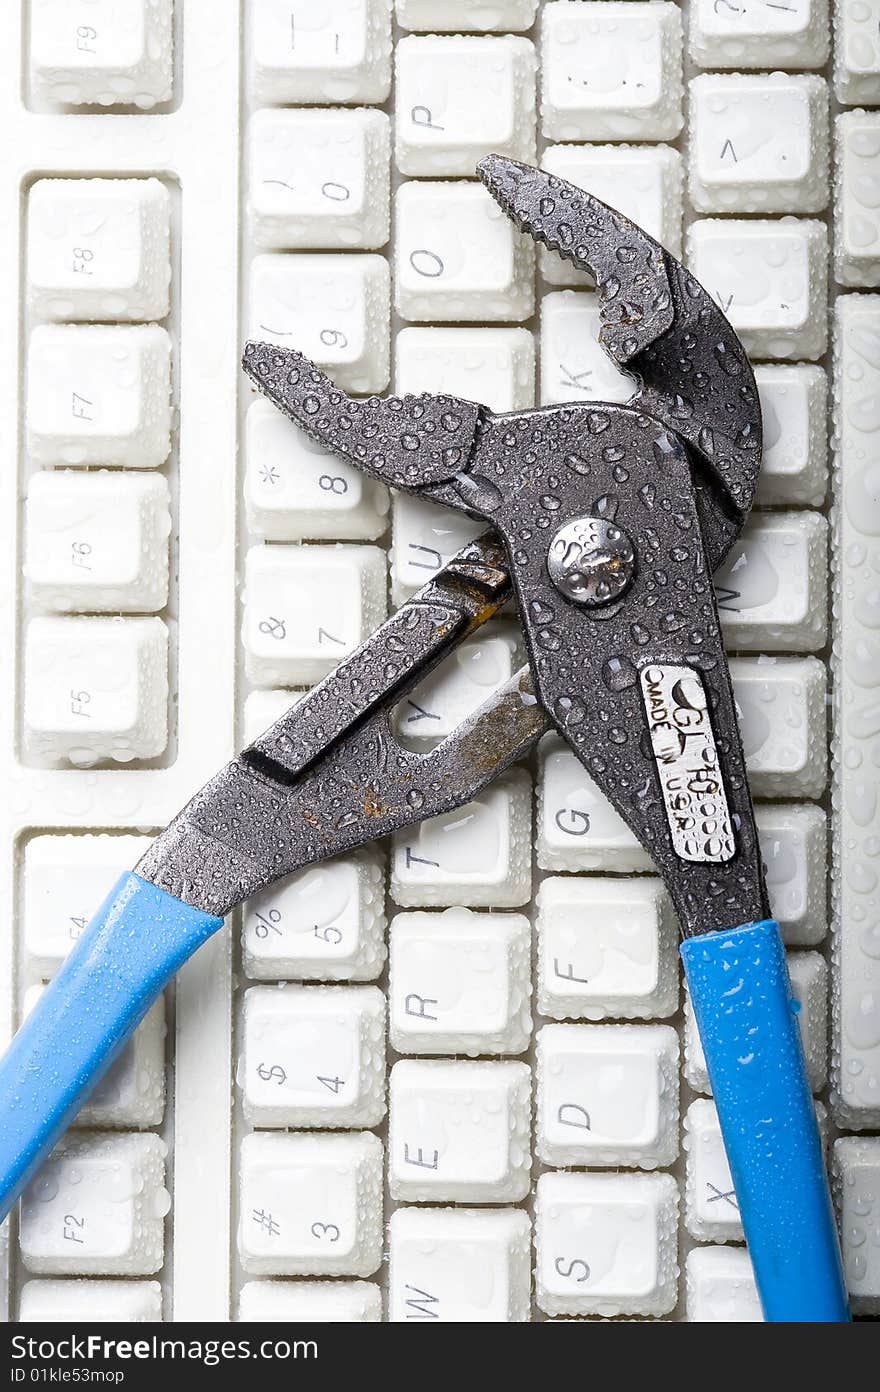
[[606, 523]]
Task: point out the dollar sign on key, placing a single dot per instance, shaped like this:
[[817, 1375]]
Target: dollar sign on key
[[273, 1073]]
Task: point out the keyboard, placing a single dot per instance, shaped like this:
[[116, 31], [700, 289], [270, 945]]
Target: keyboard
[[454, 1077]]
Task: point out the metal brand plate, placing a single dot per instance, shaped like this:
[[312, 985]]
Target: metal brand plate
[[687, 762]]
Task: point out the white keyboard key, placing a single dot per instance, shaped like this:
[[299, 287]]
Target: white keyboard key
[[423, 538], [809, 988], [263, 708], [711, 1209], [755, 34], [772, 588], [606, 1244], [794, 404], [478, 856], [132, 1091], [338, 51], [459, 257], [607, 948], [794, 848], [574, 365], [456, 687], [335, 309], [97, 542], [96, 689], [459, 1266], [439, 16], [641, 181], [857, 222], [97, 1207], [857, 52], [607, 1095], [770, 279], [758, 144], [90, 1302], [66, 880], [459, 1132], [782, 719], [310, 1302], [297, 491], [721, 1286], [611, 71], [457, 97], [318, 179], [99, 394], [325, 923], [99, 249], [856, 1169], [577, 828], [106, 53], [305, 607], [498, 365], [313, 1056], [310, 1205], [460, 983]]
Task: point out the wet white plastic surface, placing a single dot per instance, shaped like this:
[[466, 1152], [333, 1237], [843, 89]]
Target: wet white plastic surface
[[492, 361]]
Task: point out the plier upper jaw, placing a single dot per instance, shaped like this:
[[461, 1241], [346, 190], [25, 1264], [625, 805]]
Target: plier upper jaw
[[658, 323]]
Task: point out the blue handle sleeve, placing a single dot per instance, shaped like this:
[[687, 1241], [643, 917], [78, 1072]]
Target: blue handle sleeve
[[133, 946], [742, 1001]]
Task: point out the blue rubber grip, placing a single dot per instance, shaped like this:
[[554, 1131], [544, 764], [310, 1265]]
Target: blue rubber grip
[[133, 946], [746, 1017]]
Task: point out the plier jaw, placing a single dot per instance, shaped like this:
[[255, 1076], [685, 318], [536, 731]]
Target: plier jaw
[[658, 323]]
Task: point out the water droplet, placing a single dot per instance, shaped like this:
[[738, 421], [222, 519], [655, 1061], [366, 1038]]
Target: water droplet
[[577, 464], [570, 710], [728, 361], [415, 799], [618, 673], [311, 405], [478, 492], [549, 638], [673, 622], [541, 613]]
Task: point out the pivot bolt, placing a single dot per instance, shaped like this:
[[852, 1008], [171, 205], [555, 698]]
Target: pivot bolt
[[591, 561]]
